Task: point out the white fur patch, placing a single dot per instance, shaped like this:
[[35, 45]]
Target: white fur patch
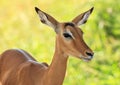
[[85, 17], [44, 19], [71, 34]]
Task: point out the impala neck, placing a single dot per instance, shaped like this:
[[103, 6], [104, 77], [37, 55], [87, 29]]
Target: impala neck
[[57, 69]]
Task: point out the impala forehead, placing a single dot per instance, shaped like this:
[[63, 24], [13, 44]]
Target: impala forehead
[[69, 24], [72, 28]]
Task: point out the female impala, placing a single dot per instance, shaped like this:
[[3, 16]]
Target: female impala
[[17, 67]]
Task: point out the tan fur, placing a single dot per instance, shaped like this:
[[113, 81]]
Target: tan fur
[[17, 67]]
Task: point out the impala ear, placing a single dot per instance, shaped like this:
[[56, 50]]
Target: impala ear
[[82, 18], [47, 19]]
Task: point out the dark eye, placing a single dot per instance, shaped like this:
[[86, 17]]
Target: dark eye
[[67, 35]]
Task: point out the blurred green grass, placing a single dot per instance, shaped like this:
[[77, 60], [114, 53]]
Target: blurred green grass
[[20, 28]]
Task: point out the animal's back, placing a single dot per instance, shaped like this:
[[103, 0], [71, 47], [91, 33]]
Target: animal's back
[[10, 60], [17, 67]]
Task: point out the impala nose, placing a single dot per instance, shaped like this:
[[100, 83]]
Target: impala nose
[[89, 54]]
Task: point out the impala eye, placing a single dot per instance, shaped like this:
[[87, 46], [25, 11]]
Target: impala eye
[[67, 35]]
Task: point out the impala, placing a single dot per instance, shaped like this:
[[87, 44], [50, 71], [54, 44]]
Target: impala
[[17, 67]]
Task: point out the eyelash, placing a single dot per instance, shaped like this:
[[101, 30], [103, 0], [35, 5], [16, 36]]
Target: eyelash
[[67, 35]]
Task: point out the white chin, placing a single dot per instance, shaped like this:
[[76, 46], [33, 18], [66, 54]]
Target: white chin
[[86, 60]]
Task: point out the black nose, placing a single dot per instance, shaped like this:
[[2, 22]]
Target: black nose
[[89, 54]]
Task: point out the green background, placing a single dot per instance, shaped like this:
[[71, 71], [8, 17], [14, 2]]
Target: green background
[[20, 28]]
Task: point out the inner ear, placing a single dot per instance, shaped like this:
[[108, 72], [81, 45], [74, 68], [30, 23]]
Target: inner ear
[[47, 19], [82, 18]]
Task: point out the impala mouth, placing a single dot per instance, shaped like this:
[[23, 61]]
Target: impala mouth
[[89, 58]]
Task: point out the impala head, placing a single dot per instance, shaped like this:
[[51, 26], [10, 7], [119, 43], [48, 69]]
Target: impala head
[[69, 35]]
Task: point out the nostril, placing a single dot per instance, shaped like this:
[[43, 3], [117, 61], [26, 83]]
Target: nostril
[[89, 54]]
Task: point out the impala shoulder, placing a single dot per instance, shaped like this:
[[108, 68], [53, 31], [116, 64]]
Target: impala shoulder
[[30, 66]]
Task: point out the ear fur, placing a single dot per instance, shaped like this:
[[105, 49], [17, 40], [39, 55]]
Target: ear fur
[[82, 18], [47, 19]]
